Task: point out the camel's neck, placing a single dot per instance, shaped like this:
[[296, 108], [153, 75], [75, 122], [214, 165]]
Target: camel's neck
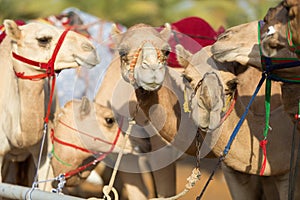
[[162, 109], [245, 152], [25, 98]]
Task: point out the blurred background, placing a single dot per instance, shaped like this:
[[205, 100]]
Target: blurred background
[[217, 13]]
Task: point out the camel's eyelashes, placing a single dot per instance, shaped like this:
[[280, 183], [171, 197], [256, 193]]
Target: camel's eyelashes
[[43, 41], [123, 50]]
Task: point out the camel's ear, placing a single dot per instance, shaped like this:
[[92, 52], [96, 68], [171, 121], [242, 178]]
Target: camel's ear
[[85, 106], [115, 34], [166, 32], [182, 55], [12, 29]]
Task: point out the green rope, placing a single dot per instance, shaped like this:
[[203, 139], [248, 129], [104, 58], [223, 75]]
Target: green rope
[[57, 158], [268, 107]]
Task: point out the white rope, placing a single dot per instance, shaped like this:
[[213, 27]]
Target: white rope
[[109, 187], [192, 179]]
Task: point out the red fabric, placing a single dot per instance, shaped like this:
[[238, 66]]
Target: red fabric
[[2, 29], [193, 33]]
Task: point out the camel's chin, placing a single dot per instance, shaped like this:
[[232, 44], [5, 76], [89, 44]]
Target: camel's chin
[[150, 86], [87, 63]]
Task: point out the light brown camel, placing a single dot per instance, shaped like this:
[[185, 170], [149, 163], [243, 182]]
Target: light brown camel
[[23, 100], [89, 127], [142, 62], [245, 154], [273, 44]]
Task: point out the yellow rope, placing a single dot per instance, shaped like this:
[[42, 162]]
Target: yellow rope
[[186, 102]]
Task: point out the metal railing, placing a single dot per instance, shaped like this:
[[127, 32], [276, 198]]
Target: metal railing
[[20, 192]]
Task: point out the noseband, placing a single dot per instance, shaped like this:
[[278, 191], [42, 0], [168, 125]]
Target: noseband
[[136, 55]]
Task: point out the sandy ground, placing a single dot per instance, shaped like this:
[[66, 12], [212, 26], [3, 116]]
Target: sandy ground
[[217, 189]]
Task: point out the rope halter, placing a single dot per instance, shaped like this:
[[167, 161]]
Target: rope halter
[[48, 67], [130, 67]]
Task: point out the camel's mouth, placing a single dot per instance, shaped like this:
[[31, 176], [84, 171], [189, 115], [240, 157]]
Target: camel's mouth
[[87, 62], [219, 52], [151, 86]]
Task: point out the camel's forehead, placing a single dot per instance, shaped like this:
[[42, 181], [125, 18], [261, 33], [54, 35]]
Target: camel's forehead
[[40, 30], [105, 112], [135, 37], [240, 33]]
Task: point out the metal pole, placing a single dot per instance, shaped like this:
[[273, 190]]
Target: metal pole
[[20, 192]]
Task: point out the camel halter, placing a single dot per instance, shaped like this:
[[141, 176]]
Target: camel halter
[[49, 67], [188, 101], [101, 157], [268, 67], [136, 55], [289, 36]]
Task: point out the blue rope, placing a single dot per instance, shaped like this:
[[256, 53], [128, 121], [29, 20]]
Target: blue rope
[[283, 65], [239, 124]]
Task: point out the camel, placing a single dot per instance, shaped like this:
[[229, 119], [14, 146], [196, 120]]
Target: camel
[[133, 70], [142, 49], [245, 155], [282, 43], [91, 129], [274, 44], [27, 50]]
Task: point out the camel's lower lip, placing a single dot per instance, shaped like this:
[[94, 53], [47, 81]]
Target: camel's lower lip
[[151, 86]]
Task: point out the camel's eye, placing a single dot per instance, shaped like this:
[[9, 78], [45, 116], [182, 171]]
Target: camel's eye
[[43, 41], [166, 50], [123, 50], [109, 121]]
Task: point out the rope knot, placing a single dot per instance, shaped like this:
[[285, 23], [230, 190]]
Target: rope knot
[[263, 145]]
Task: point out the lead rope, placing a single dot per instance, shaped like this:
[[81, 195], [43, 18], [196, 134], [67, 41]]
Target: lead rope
[[263, 143], [191, 181], [233, 135], [108, 188]]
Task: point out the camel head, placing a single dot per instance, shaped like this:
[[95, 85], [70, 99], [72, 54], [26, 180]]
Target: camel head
[[279, 32], [238, 44], [37, 42], [86, 125], [204, 88], [143, 52]]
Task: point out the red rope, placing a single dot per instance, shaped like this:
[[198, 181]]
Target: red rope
[[230, 108], [53, 138], [84, 133], [263, 144], [100, 158], [49, 67]]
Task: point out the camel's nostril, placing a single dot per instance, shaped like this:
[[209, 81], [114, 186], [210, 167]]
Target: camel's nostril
[[87, 47]]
